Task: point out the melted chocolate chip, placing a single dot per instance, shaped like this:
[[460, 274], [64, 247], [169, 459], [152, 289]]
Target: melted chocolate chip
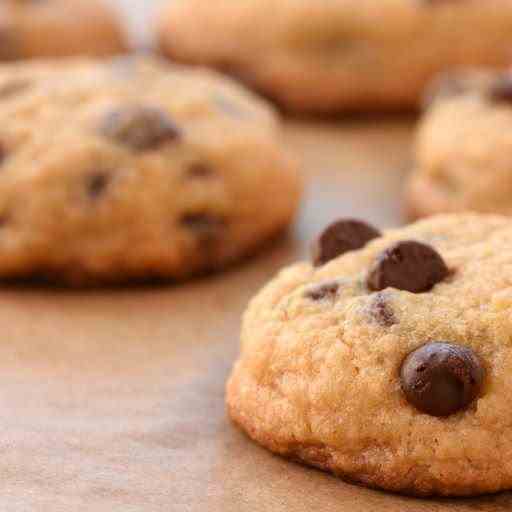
[[321, 291], [501, 90], [96, 184], [441, 378], [340, 237], [408, 265], [3, 153], [140, 128], [381, 310]]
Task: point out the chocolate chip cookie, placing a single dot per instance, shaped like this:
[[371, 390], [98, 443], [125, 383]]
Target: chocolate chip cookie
[[389, 362], [57, 28], [132, 168], [463, 155], [338, 55]]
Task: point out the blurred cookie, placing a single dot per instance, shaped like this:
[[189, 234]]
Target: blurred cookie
[[57, 28], [464, 147], [338, 55], [133, 168], [389, 363]]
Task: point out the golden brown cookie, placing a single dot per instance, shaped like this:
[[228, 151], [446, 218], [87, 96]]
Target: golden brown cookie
[[463, 149], [58, 28], [132, 169], [338, 55], [389, 363]]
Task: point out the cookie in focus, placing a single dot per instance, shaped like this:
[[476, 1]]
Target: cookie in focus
[[386, 360]]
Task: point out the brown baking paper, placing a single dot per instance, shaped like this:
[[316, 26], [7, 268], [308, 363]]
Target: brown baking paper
[[112, 400]]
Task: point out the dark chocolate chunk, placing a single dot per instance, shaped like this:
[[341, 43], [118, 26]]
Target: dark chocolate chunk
[[441, 378], [340, 237], [321, 291], [409, 265], [140, 128]]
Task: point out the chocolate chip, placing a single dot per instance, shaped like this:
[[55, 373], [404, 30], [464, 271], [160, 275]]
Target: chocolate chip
[[321, 291], [501, 90], [96, 184], [140, 128], [408, 265], [199, 170], [381, 310], [441, 378], [340, 237], [3, 153], [206, 227]]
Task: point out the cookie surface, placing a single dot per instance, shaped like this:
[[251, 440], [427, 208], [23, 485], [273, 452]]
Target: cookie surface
[[406, 391], [58, 28], [338, 55], [133, 168], [463, 157]]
